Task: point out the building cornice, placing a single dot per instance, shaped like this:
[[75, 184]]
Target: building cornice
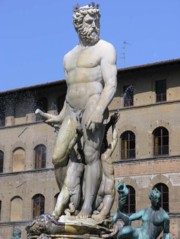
[[120, 70], [150, 65], [139, 160]]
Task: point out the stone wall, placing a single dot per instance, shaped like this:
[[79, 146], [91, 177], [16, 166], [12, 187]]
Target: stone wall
[[142, 173]]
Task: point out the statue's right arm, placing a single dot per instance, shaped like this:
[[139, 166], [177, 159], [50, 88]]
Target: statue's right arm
[[137, 215], [54, 119], [116, 216], [58, 118]]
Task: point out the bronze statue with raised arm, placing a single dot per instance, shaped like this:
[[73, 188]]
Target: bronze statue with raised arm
[[155, 220]]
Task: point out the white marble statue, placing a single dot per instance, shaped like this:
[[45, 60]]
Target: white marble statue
[[90, 72]]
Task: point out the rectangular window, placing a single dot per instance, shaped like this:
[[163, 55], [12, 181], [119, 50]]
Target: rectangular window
[[161, 90], [1, 165], [0, 209], [127, 145], [38, 205], [40, 157], [128, 95], [1, 161], [2, 116]]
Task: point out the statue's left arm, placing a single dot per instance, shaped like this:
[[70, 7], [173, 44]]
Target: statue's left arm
[[109, 72], [137, 215], [166, 228]]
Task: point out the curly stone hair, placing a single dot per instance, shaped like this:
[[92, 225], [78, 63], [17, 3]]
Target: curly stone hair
[[81, 12]]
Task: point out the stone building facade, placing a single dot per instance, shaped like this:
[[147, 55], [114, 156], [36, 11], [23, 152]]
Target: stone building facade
[[147, 154]]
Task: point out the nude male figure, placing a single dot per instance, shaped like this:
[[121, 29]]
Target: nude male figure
[[90, 71], [154, 221]]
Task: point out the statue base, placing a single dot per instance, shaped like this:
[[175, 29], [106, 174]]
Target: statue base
[[46, 227]]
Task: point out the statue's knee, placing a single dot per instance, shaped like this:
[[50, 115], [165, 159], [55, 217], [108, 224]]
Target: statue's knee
[[58, 158], [54, 159], [125, 231]]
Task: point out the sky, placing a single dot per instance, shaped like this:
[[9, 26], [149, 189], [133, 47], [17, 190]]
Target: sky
[[36, 34]]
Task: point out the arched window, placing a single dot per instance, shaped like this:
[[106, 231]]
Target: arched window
[[41, 104], [164, 200], [18, 159], [161, 90], [128, 145], [1, 161], [38, 205], [161, 141], [16, 209], [40, 156], [130, 205]]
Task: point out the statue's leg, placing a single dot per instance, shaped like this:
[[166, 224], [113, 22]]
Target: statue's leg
[[71, 190], [100, 195], [76, 196], [64, 143], [107, 200], [93, 174], [62, 201], [109, 185], [128, 232], [92, 144]]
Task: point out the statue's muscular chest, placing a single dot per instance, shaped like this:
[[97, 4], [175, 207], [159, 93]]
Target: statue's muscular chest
[[155, 217], [82, 58]]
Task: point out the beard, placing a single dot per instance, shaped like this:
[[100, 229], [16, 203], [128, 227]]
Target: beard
[[89, 35]]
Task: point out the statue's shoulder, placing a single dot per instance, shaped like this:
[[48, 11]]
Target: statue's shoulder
[[164, 213], [70, 53], [105, 44], [107, 50]]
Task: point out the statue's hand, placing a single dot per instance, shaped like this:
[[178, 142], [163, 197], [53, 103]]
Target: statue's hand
[[122, 200], [49, 118], [39, 112], [115, 218], [114, 118], [95, 120], [54, 119]]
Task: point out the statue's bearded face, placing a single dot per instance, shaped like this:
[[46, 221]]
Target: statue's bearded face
[[89, 30]]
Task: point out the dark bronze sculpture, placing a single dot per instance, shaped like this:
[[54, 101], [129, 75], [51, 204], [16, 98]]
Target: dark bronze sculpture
[[154, 219], [16, 234]]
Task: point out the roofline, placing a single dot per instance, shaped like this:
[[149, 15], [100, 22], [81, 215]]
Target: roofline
[[34, 86], [149, 65], [120, 70]]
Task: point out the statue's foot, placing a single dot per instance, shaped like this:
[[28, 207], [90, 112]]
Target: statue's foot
[[83, 214], [98, 217], [55, 215]]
